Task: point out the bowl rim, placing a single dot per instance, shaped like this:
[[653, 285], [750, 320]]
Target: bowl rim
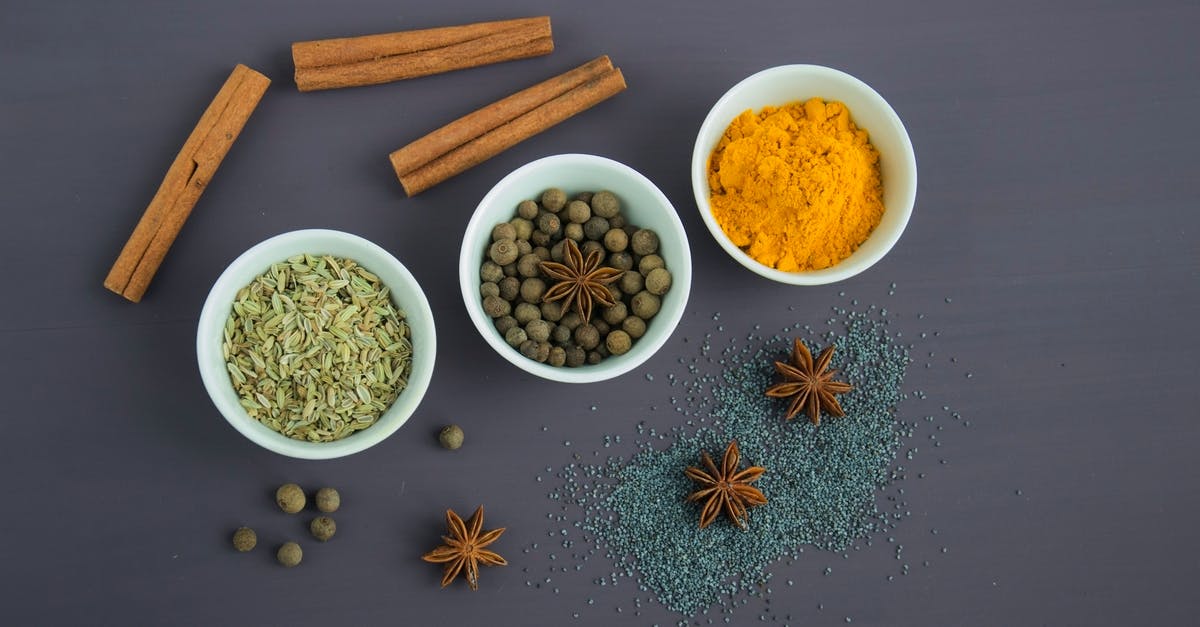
[[468, 272], [855, 263], [215, 313]]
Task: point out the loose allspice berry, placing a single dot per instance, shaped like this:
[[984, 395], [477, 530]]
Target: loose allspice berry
[[322, 528], [289, 554], [451, 437], [244, 539], [290, 498], [328, 500]]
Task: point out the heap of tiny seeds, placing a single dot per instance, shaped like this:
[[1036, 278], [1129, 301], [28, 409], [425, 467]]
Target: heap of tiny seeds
[[316, 349], [512, 283], [821, 482]]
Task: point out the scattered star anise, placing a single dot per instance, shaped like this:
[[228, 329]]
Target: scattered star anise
[[810, 385], [464, 548], [726, 489], [580, 281]]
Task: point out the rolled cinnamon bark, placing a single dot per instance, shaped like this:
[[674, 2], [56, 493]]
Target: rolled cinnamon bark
[[511, 133], [185, 181], [375, 59]]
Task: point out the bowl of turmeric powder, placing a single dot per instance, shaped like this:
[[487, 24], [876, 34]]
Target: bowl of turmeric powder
[[804, 174]]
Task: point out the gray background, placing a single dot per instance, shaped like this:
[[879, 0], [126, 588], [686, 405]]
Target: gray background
[[1057, 209]]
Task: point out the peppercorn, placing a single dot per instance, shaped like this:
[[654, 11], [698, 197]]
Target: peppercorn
[[523, 247], [573, 232], [503, 230], [328, 500], [558, 357], [602, 327], [244, 539], [504, 323], [290, 498], [621, 261], [631, 283], [532, 290], [605, 204], [515, 337], [488, 289], [495, 306], [524, 227], [658, 281], [615, 314], [584, 196], [590, 247], [552, 311], [510, 269], [650, 262], [549, 224], [578, 212], [527, 265], [491, 271], [542, 253], [538, 330], [616, 240], [503, 251], [644, 242], [524, 312], [617, 222], [587, 336], [451, 437], [528, 348], [510, 286], [560, 334], [571, 320], [540, 238], [576, 356], [595, 228], [634, 326], [289, 554], [618, 342], [322, 528], [645, 304], [527, 209], [594, 357], [554, 199]]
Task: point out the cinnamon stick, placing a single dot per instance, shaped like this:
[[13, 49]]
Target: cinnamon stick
[[481, 121], [512, 132], [374, 59], [185, 181]]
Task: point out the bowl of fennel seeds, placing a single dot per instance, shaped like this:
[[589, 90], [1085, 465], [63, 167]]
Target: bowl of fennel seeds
[[316, 344]]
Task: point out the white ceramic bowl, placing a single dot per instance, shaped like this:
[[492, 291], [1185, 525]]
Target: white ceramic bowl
[[788, 83], [642, 204], [406, 293]]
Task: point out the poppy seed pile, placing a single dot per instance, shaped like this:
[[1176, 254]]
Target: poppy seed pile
[[821, 482]]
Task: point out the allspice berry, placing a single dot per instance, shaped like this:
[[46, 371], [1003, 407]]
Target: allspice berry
[[650, 262], [289, 554], [618, 342], [328, 500], [322, 528], [605, 204], [496, 306], [658, 281], [554, 199], [503, 230], [503, 251], [616, 240], [644, 242], [634, 326], [451, 437], [645, 305], [244, 539], [290, 498], [587, 336], [578, 212], [527, 209]]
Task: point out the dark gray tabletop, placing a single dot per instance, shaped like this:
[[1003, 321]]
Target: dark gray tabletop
[[1053, 252]]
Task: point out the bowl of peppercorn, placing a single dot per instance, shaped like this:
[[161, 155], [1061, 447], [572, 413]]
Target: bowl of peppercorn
[[575, 268]]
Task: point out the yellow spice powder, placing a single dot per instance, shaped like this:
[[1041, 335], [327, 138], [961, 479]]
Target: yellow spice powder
[[797, 187]]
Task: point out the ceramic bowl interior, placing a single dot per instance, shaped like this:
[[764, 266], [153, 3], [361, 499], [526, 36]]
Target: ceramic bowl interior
[[790, 83], [406, 294], [642, 204]]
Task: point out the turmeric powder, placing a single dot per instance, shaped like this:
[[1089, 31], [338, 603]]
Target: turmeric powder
[[797, 187]]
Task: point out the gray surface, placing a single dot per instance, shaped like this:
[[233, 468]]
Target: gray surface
[[1057, 208]]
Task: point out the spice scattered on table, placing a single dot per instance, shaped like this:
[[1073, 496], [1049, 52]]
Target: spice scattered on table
[[290, 498], [570, 282], [797, 187], [316, 349], [322, 528], [244, 539], [726, 489], [328, 500], [465, 548], [289, 554], [810, 385], [451, 437]]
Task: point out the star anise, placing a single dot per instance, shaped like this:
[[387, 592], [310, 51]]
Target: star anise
[[580, 281], [464, 548], [726, 489], [810, 386]]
